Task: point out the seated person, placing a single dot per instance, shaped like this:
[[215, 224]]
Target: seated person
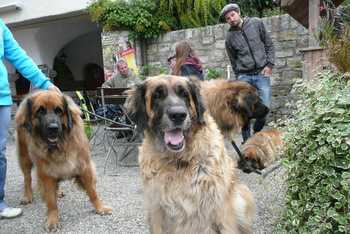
[[123, 79]]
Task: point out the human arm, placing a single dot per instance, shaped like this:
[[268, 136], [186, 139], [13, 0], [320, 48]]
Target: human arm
[[109, 83], [18, 58], [266, 71], [232, 55], [269, 48]]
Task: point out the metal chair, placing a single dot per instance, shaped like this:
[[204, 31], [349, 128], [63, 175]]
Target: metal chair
[[92, 122], [130, 138]]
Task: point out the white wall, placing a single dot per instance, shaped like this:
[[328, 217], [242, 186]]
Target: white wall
[[43, 43], [39, 10]]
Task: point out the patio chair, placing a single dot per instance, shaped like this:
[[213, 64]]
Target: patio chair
[[120, 133], [90, 120]]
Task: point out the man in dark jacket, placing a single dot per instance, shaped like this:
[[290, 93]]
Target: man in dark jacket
[[252, 56]]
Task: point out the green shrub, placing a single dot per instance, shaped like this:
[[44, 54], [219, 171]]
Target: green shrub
[[141, 18], [317, 158], [317, 150], [151, 70], [213, 73]]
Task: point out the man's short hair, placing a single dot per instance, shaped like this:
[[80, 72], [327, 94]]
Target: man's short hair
[[120, 62], [229, 7]]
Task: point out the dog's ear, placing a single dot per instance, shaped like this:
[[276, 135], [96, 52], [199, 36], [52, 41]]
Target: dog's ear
[[136, 105], [261, 164], [245, 102], [198, 99], [68, 114], [72, 111], [23, 115]]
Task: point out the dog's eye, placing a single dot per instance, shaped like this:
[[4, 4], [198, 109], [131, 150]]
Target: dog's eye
[[184, 94], [157, 94], [59, 111], [40, 111]]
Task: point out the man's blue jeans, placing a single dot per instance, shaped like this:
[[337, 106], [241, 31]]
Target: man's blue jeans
[[5, 116], [263, 85]]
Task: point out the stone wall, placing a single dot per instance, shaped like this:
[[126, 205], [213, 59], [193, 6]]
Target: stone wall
[[209, 43]]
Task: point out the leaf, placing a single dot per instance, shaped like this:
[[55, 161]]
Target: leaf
[[345, 175], [330, 213], [337, 195], [341, 228], [329, 226], [295, 222], [330, 138], [329, 171], [344, 146]]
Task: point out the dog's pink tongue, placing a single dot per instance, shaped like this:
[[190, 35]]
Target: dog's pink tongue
[[52, 139], [174, 137]]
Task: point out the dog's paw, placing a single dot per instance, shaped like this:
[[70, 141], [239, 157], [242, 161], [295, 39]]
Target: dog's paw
[[61, 193], [26, 199], [52, 225], [104, 210]]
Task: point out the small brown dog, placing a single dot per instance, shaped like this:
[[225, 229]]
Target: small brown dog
[[51, 136], [260, 149]]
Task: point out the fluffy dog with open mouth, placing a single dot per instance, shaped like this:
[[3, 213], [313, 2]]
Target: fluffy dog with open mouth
[[51, 137], [189, 180]]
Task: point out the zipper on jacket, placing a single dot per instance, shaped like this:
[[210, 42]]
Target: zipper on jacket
[[249, 46]]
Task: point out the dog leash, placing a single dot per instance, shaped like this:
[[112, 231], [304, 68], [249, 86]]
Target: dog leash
[[242, 158]]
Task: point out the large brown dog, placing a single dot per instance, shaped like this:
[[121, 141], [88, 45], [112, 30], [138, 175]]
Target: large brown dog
[[189, 180], [260, 149], [232, 104], [50, 135]]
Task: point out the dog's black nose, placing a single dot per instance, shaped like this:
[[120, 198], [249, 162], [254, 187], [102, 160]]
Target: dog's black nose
[[52, 128], [246, 170], [177, 114]]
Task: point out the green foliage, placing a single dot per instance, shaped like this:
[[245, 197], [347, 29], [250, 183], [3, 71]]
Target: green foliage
[[151, 70], [139, 17], [193, 13], [258, 8], [317, 151], [317, 158], [346, 3], [334, 37], [269, 12], [151, 18], [213, 73]]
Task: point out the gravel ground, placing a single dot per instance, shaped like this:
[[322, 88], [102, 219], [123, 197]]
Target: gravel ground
[[123, 193]]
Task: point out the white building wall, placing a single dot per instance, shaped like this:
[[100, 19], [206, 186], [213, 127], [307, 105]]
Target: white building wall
[[43, 27], [39, 9]]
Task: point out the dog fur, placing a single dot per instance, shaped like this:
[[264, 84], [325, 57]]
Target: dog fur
[[51, 136], [189, 180], [232, 104], [260, 149]]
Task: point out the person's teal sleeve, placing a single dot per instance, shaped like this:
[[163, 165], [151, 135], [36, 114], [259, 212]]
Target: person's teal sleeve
[[18, 58]]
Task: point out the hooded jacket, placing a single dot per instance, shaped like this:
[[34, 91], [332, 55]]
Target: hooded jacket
[[17, 57], [119, 81], [250, 47], [192, 66]]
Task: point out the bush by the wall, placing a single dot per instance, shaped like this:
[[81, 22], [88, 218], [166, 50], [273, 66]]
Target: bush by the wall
[[317, 158]]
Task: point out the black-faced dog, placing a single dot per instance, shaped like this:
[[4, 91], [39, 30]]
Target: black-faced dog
[[51, 136]]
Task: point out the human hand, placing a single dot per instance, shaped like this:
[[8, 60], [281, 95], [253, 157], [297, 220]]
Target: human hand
[[54, 88], [266, 71]]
